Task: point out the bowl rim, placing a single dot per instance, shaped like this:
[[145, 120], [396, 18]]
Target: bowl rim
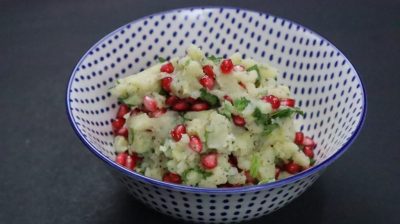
[[199, 190]]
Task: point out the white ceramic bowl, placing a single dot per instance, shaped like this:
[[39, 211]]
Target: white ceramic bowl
[[323, 81]]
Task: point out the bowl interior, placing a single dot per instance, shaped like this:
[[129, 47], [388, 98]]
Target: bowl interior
[[323, 81]]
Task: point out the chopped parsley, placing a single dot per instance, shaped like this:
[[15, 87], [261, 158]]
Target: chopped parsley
[[241, 104], [163, 92], [312, 161], [209, 98], [255, 68], [286, 112], [161, 59], [214, 59]]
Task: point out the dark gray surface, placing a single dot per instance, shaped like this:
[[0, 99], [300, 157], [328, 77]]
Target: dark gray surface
[[47, 175]]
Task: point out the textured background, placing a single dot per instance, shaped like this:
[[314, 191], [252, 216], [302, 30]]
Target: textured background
[[47, 176]]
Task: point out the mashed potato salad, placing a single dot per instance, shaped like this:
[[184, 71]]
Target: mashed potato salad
[[209, 122]]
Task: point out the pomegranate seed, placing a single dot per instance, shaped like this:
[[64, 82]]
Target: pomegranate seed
[[288, 102], [208, 70], [273, 100], [177, 132], [195, 143], [122, 132], [226, 66], [168, 68], [209, 161], [308, 151], [242, 85], [200, 106], [122, 110], [298, 139], [307, 141], [135, 111], [239, 68], [132, 160], [249, 178], [228, 98], [171, 100], [277, 172], [181, 106], [150, 104], [238, 120], [233, 160], [121, 158], [172, 178], [166, 83], [157, 113], [117, 124], [190, 100], [207, 82], [292, 168]]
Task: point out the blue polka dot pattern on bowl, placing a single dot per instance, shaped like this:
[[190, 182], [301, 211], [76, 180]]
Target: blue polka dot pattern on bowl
[[323, 81]]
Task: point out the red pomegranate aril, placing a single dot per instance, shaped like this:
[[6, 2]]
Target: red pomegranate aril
[[135, 111], [130, 163], [199, 106], [308, 151], [208, 71], [117, 124], [298, 138], [207, 82], [122, 110], [209, 161], [307, 141], [172, 178], [249, 178], [166, 83], [228, 98], [181, 106], [277, 172], [121, 158], [171, 100], [273, 100], [168, 68], [177, 132], [190, 100], [195, 143], [226, 66], [292, 168], [150, 104], [122, 132], [157, 113], [288, 102], [238, 120], [239, 68]]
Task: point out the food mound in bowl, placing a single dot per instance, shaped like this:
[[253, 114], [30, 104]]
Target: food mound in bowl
[[209, 122]]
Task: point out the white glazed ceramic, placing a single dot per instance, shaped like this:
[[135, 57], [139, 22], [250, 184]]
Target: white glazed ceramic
[[323, 81]]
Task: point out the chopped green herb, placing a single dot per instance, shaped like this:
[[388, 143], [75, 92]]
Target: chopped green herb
[[269, 128], [209, 98], [161, 59], [261, 119], [214, 59], [255, 68], [312, 161], [241, 104], [131, 135], [255, 165], [226, 110], [286, 112], [163, 92]]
